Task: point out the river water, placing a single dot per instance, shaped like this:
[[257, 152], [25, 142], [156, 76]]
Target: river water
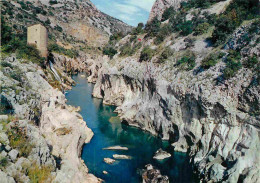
[[108, 131]]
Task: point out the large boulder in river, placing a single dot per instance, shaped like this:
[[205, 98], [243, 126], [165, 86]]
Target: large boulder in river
[[152, 175], [160, 154]]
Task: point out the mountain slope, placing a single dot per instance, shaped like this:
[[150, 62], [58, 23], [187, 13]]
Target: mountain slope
[[67, 20]]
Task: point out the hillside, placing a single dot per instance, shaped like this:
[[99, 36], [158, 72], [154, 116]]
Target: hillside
[[67, 21]]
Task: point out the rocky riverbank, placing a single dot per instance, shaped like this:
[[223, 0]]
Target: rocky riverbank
[[56, 132]]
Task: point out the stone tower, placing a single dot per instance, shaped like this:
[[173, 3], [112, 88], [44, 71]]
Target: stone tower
[[37, 34]]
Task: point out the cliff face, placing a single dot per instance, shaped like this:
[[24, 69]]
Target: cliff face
[[56, 132], [215, 120], [161, 5]]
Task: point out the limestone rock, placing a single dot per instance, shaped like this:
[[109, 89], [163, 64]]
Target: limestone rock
[[13, 154], [109, 160], [5, 178], [116, 148], [152, 175], [160, 155], [119, 156]]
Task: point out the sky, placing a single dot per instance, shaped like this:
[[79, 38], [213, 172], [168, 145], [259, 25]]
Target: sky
[[131, 12]]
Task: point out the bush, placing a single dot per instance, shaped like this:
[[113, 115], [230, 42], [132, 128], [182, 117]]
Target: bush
[[211, 60], [163, 33], [146, 54], [235, 14], [152, 28], [109, 51], [251, 62], [16, 75], [19, 140], [126, 49], [39, 174], [201, 28], [52, 2], [129, 50], [138, 29], [6, 64], [233, 64], [59, 49], [167, 52], [58, 28], [3, 162], [30, 52], [186, 28], [168, 13], [115, 37], [187, 62]]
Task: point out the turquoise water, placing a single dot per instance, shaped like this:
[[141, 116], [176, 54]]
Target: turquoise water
[[109, 132]]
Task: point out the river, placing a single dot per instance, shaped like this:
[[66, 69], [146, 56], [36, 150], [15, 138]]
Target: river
[[108, 131]]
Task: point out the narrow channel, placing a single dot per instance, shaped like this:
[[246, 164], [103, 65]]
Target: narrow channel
[[108, 131]]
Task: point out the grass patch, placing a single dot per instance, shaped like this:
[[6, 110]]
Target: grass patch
[[19, 140]]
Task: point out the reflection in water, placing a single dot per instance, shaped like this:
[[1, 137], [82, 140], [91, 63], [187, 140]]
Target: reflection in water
[[108, 131]]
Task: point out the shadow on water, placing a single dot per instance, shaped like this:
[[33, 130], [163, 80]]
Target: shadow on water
[[109, 131]]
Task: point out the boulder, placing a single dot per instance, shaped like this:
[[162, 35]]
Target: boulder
[[160, 154], [116, 148], [13, 154], [109, 160], [119, 156], [5, 178], [152, 175]]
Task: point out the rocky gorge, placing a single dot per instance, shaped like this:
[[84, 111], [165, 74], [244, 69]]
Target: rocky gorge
[[202, 98], [213, 119]]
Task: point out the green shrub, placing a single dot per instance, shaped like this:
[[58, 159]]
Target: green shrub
[[6, 64], [129, 50], [30, 52], [109, 51], [126, 49], [133, 38], [3, 162], [59, 49], [19, 140], [153, 27], [201, 28], [167, 52], [168, 13], [58, 28], [138, 29], [16, 75], [187, 62], [115, 37], [163, 33], [146, 54], [186, 28], [52, 2], [251, 62], [233, 64], [211, 60], [235, 14]]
